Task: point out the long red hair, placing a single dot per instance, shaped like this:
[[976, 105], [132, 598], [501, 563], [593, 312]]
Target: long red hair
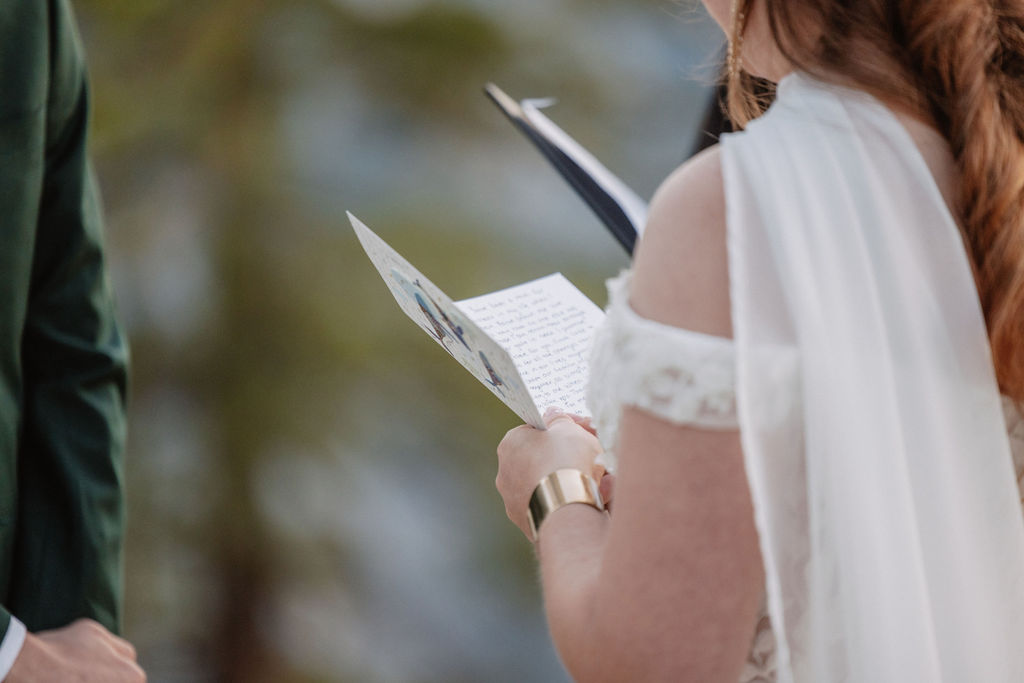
[[957, 64]]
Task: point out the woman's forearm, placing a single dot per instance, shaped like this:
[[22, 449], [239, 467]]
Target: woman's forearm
[[669, 587], [570, 550]]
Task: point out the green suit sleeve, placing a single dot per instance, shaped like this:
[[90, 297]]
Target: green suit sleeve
[[70, 494]]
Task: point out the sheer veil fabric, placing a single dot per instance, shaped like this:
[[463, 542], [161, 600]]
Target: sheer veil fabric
[[886, 501]]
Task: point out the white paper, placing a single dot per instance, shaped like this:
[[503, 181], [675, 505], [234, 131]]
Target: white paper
[[547, 326], [529, 344]]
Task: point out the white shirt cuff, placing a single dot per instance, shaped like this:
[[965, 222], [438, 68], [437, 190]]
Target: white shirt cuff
[[10, 648]]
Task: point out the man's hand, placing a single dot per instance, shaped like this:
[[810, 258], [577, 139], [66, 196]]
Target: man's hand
[[83, 652]]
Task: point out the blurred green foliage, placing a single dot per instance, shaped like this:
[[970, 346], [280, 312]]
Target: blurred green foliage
[[310, 478]]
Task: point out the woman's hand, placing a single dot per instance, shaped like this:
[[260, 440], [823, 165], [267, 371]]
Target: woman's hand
[[527, 455]]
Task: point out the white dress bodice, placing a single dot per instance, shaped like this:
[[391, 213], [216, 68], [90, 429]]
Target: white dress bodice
[[688, 378]]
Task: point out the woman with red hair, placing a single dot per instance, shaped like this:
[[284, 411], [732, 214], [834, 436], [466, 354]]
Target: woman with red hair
[[807, 383]]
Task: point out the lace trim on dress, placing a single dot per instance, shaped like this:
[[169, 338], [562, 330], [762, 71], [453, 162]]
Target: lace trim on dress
[[761, 660], [1015, 430], [678, 375]]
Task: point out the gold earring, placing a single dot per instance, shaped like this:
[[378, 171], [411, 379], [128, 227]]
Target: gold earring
[[734, 57]]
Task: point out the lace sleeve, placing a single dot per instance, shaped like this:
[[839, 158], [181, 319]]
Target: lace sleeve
[[1015, 430], [681, 376]]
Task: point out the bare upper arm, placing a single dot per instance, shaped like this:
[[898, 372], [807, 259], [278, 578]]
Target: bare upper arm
[[680, 275], [683, 523]]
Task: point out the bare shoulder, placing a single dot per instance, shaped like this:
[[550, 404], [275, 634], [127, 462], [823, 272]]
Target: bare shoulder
[[681, 275]]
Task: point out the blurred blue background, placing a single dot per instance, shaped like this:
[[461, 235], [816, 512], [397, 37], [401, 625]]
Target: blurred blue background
[[311, 478]]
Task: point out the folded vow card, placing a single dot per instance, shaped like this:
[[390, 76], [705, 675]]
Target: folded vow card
[[529, 344]]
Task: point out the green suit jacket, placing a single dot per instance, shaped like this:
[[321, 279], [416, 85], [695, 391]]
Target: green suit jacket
[[62, 359]]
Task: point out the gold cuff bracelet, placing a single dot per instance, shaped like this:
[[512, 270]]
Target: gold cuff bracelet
[[562, 487]]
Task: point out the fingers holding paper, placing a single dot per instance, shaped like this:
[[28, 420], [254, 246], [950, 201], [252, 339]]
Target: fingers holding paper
[[526, 455]]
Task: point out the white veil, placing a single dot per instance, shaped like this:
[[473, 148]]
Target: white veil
[[890, 523]]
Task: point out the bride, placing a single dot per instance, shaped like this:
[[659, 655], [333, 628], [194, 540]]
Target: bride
[[805, 385]]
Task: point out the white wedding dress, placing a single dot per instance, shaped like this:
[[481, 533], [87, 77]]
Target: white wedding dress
[[877, 447]]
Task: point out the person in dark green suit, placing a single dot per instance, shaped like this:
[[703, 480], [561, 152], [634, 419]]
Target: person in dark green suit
[[63, 367]]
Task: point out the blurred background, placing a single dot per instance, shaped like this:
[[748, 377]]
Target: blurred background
[[310, 476]]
